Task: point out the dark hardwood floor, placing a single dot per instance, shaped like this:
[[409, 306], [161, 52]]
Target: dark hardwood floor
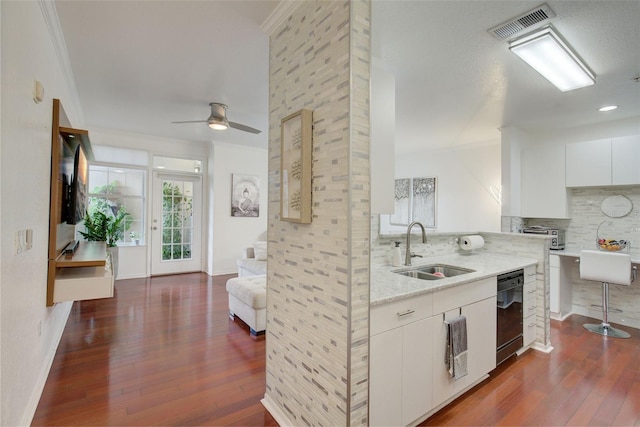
[[587, 380], [164, 352]]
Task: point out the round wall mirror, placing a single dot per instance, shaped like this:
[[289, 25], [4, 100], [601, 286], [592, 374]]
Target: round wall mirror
[[616, 206]]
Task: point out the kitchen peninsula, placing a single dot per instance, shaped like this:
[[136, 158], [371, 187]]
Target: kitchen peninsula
[[409, 318]]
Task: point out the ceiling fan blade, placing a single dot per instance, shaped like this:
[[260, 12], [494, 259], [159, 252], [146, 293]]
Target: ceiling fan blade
[[244, 127], [193, 121]]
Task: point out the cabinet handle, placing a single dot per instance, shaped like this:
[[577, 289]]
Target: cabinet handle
[[532, 308], [531, 291], [405, 313], [531, 325]]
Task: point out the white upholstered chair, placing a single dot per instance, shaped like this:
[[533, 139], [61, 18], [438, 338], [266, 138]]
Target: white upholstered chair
[[608, 268]]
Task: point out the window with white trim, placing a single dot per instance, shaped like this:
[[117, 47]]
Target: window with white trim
[[113, 189]]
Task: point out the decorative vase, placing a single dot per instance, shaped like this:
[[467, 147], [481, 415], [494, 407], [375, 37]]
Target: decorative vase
[[113, 251]]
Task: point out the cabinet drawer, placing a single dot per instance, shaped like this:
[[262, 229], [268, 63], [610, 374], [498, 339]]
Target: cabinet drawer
[[529, 329], [529, 291], [529, 306], [81, 283], [530, 274], [399, 313], [448, 299]]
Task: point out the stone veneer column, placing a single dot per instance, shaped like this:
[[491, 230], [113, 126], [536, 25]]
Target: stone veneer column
[[318, 273]]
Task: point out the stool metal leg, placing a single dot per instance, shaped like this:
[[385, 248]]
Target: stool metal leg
[[604, 328]]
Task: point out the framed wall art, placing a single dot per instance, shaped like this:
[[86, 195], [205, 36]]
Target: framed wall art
[[295, 167], [415, 200], [245, 195]]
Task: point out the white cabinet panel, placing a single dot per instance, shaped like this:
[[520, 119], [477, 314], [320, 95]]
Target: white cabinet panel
[[554, 284], [400, 361], [385, 391], [529, 312], [588, 163], [83, 283], [481, 344], [544, 194], [416, 375], [625, 153]]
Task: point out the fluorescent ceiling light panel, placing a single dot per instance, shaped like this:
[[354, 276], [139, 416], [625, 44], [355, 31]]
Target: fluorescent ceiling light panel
[[549, 55]]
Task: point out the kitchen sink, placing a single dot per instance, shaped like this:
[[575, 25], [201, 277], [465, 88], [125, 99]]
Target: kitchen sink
[[433, 271]]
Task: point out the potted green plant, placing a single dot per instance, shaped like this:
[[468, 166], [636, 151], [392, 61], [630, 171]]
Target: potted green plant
[[103, 225]]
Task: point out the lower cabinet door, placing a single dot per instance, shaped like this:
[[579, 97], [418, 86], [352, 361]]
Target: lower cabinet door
[[481, 348], [416, 375], [385, 378]]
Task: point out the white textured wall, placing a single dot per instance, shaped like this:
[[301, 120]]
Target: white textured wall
[[30, 331], [229, 235], [464, 179], [318, 273]]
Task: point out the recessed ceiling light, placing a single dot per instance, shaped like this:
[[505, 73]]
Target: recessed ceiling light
[[608, 108]]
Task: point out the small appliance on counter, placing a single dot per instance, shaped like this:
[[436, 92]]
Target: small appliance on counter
[[557, 243]]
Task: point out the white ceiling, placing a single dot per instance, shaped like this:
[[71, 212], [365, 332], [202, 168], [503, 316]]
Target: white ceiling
[[139, 65]]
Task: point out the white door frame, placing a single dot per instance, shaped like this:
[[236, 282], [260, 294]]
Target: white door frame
[[160, 266]]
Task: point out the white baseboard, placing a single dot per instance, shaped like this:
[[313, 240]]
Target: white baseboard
[[557, 316], [32, 404], [542, 347], [276, 412]]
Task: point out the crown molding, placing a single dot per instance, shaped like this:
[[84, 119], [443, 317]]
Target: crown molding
[[280, 14], [50, 15]]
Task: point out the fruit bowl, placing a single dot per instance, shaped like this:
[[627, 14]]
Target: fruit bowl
[[612, 245]]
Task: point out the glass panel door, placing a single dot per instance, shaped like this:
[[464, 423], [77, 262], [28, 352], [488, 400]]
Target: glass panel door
[[176, 224]]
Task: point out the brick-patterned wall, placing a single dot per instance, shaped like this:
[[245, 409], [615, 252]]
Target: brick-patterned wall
[[318, 273]]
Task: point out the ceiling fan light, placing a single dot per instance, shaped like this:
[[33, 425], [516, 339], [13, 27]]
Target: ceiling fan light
[[218, 125], [546, 52]]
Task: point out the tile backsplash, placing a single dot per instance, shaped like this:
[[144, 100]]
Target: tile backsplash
[[586, 216]]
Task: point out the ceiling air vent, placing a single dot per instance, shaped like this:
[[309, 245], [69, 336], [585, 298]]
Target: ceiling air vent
[[513, 26]]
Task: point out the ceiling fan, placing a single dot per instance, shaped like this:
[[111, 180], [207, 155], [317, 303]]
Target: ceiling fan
[[218, 120]]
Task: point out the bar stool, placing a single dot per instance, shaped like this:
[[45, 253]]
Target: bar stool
[[606, 267]]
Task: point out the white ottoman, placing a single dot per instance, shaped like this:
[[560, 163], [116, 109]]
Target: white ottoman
[[248, 301]]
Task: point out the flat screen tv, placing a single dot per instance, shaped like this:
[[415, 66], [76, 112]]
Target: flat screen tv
[[74, 183]]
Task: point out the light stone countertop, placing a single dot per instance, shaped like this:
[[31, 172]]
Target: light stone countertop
[[574, 251], [387, 286]]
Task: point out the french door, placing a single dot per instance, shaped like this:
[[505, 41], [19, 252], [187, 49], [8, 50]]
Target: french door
[[176, 224]]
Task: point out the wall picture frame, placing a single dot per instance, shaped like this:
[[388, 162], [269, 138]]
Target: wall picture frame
[[245, 195], [416, 199], [295, 167]]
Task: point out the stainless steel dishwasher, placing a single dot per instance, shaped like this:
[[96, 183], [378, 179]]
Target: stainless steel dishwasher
[[509, 324]]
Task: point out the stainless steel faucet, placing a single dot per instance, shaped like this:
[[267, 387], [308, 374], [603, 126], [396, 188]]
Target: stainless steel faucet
[[407, 258]]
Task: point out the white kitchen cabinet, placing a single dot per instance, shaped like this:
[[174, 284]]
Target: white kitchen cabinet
[[543, 190], [529, 310], [529, 306], [588, 163], [400, 361], [477, 302], [416, 370], [385, 378], [611, 161], [625, 160]]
